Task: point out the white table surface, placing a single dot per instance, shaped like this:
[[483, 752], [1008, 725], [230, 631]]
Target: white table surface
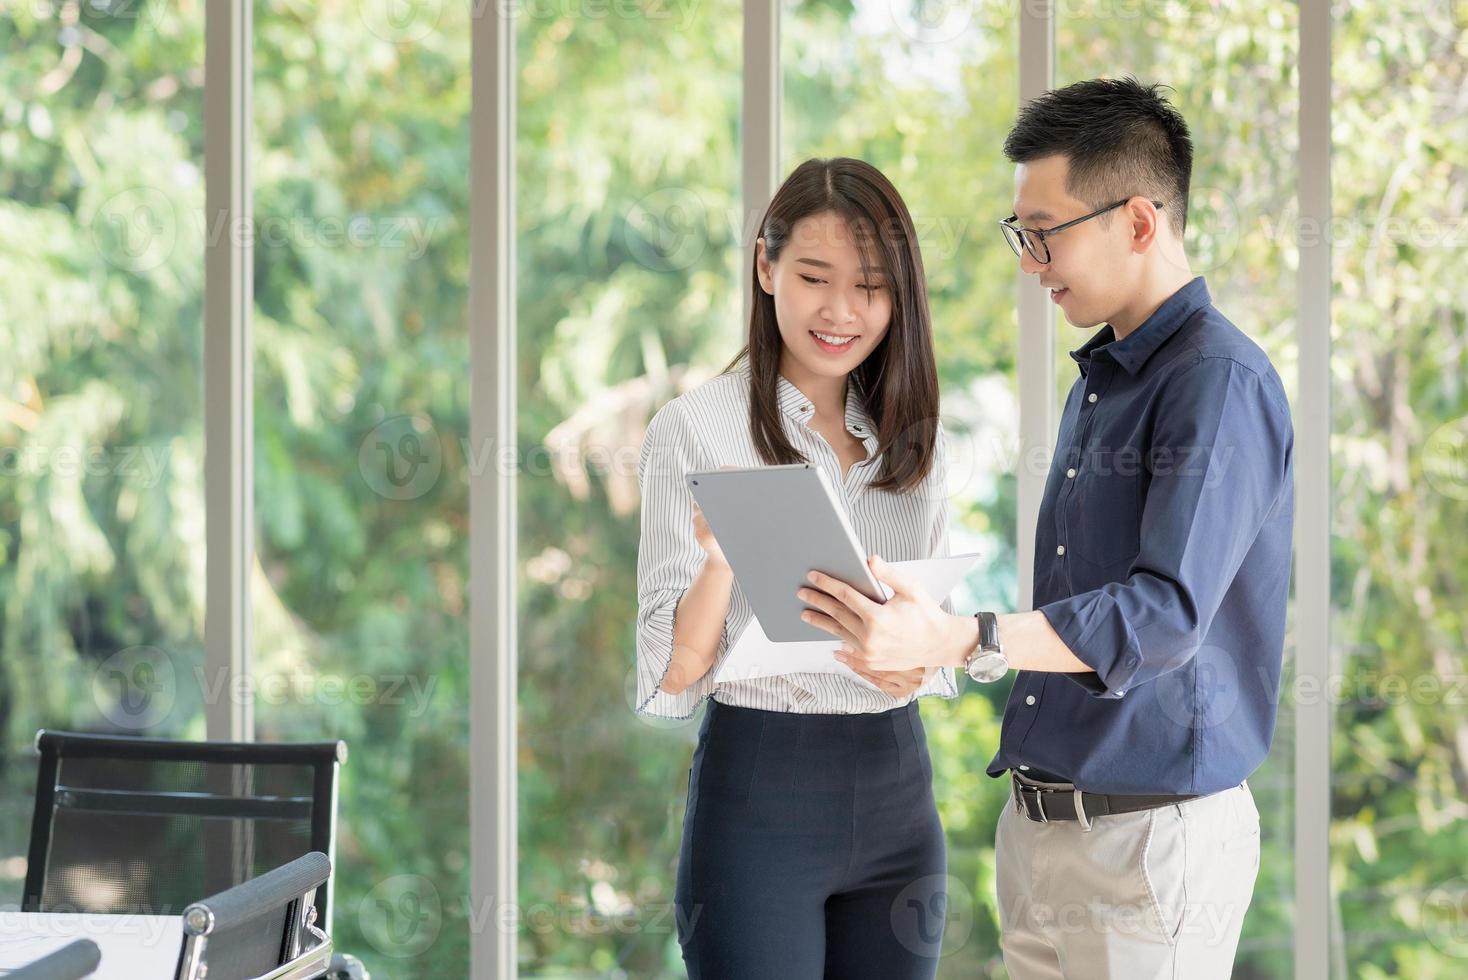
[[134, 947]]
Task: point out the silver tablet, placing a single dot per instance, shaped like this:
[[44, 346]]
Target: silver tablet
[[775, 524]]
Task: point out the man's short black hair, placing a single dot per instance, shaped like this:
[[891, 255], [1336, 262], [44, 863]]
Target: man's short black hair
[[1122, 138]]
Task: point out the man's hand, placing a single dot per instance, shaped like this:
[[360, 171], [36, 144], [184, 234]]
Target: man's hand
[[908, 631]]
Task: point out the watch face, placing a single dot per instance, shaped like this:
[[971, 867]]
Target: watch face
[[988, 668]]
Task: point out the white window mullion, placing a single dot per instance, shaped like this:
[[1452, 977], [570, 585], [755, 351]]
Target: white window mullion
[[1036, 358], [493, 637], [229, 409], [759, 168], [1313, 484]]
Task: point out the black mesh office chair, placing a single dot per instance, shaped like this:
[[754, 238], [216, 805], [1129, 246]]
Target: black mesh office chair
[[141, 825], [74, 961], [125, 824], [264, 928]]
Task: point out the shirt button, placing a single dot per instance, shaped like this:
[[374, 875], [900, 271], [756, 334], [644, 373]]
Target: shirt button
[[1030, 699], [1092, 399], [1071, 473], [1060, 550]]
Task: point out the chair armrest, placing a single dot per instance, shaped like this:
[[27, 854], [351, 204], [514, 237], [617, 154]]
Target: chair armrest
[[258, 896], [74, 960]]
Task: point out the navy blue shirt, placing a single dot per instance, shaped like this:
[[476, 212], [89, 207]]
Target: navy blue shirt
[[1162, 559]]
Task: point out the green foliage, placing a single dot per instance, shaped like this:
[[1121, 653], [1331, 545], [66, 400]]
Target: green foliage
[[632, 261]]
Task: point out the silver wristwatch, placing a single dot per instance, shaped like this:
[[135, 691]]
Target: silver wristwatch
[[986, 662]]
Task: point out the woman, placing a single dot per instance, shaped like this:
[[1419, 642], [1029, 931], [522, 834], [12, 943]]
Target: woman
[[811, 843]]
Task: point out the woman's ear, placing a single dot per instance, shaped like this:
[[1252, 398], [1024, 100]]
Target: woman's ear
[[763, 269]]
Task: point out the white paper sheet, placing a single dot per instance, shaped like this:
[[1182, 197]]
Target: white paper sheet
[[755, 655]]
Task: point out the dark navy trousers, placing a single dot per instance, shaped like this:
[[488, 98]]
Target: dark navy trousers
[[811, 848]]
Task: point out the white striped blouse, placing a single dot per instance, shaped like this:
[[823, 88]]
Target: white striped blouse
[[706, 428]]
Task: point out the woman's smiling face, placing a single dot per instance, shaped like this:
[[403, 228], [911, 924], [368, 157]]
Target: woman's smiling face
[[831, 314]]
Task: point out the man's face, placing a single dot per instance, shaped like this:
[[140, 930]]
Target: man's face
[[1092, 269]]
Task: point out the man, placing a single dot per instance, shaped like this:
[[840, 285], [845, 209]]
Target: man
[[1149, 669]]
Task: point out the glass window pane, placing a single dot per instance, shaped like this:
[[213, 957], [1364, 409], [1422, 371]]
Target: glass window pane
[[925, 94], [360, 167], [101, 420], [1399, 185], [630, 261], [1232, 73]]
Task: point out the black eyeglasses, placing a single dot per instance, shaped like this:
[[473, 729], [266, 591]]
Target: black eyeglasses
[[1032, 240]]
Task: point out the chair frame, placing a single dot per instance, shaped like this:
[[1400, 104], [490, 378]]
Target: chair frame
[[292, 884], [325, 759], [74, 961]]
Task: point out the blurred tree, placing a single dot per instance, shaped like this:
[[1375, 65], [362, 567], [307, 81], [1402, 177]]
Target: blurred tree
[[633, 255]]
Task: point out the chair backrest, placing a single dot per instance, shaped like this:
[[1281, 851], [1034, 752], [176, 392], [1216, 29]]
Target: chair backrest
[[73, 961], [146, 826], [253, 929]]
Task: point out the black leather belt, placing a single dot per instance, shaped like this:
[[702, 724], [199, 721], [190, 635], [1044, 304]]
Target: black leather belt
[[1044, 804]]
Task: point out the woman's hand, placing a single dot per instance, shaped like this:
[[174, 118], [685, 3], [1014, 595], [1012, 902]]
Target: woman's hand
[[706, 539], [897, 683]]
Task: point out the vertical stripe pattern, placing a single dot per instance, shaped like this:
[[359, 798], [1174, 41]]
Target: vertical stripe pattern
[[706, 428]]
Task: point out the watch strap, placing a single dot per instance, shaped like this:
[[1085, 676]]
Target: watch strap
[[988, 632]]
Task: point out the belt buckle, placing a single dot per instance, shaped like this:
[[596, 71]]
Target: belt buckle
[[1039, 802]]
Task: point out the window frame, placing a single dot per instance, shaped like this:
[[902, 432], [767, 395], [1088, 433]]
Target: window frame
[[493, 641]]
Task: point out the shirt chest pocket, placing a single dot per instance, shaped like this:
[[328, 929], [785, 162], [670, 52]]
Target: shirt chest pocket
[[1107, 507]]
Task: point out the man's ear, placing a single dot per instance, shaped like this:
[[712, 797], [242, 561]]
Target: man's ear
[[1146, 223], [762, 267]]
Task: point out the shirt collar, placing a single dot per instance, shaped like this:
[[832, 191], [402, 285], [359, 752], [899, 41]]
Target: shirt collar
[[1133, 352], [794, 404], [858, 422]]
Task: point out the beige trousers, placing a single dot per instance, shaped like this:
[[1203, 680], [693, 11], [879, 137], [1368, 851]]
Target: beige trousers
[[1155, 894]]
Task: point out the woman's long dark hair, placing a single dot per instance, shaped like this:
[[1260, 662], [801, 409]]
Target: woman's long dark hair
[[899, 379]]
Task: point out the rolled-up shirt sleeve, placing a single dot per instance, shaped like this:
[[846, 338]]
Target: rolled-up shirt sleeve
[[669, 557], [1219, 463]]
